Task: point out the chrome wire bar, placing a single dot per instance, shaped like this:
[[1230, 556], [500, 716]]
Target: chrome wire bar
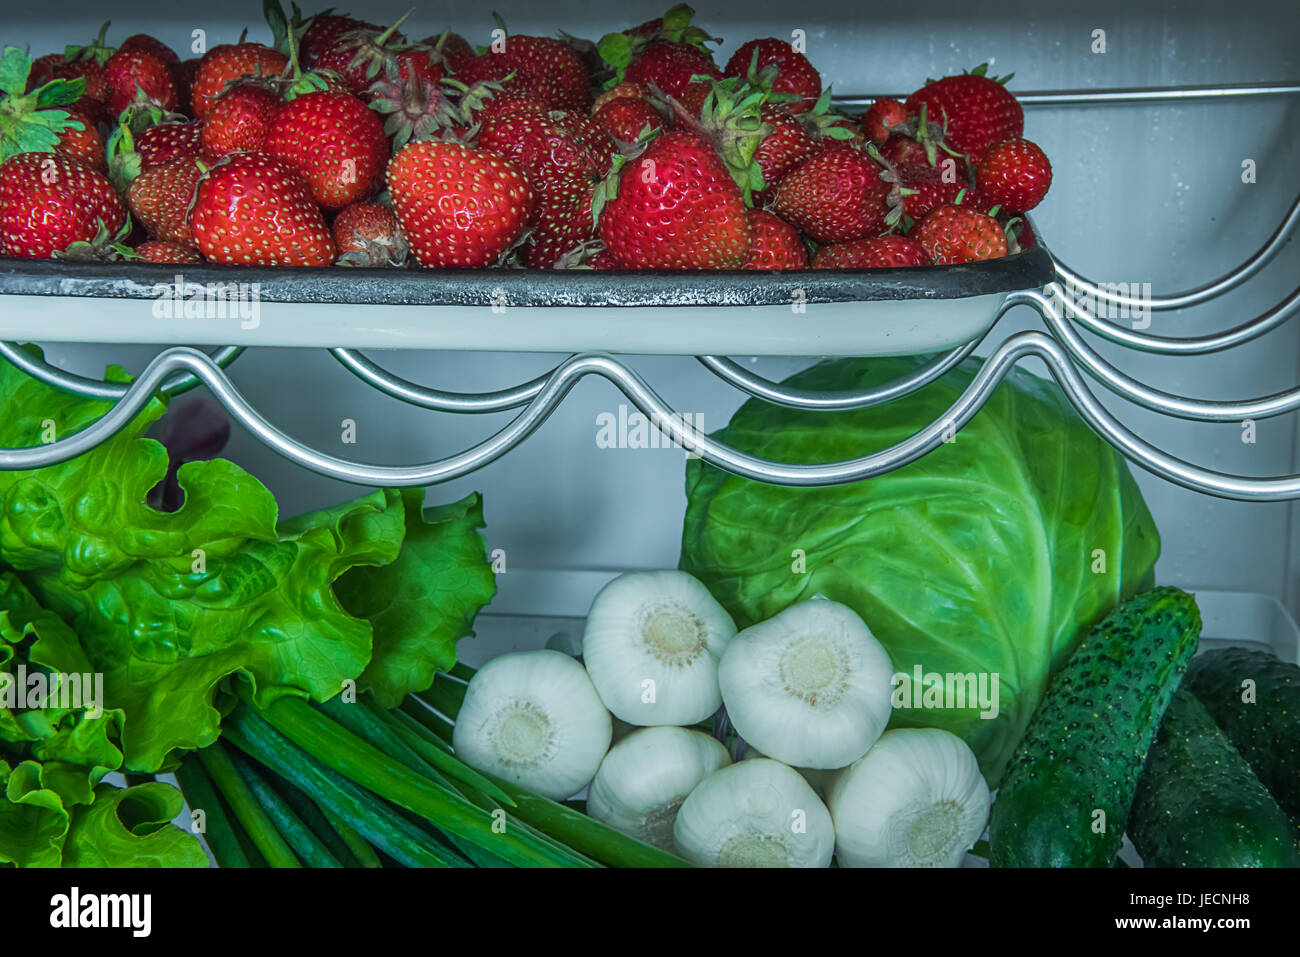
[[648, 402], [1115, 96], [413, 393], [1122, 384], [1180, 300], [102, 388]]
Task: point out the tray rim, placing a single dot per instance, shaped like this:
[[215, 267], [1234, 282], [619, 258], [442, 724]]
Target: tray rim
[[534, 288]]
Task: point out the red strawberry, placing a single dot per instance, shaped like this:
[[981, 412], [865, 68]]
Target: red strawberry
[[621, 91], [230, 62], [546, 68], [166, 141], [625, 119], [774, 243], [368, 234], [875, 252], [670, 66], [835, 196], [781, 150], [147, 44], [930, 187], [1014, 174], [335, 142], [880, 117], [183, 75], [325, 31], [956, 234], [84, 144], [94, 102], [976, 111], [677, 208], [160, 199], [255, 210], [458, 206], [138, 77], [49, 201], [166, 251], [44, 69], [488, 102], [362, 56], [794, 72], [239, 119], [563, 157]]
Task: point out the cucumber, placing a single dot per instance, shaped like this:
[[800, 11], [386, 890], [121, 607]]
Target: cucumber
[[1265, 731], [1068, 789], [1200, 805]]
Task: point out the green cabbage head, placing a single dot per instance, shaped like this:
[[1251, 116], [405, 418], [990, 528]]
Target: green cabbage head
[[992, 555]]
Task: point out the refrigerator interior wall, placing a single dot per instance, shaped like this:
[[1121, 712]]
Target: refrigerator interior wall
[[1144, 193]]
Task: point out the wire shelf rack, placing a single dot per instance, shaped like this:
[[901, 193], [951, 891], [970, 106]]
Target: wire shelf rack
[[1061, 346]]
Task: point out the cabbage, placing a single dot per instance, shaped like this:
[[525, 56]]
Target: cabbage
[[992, 555]]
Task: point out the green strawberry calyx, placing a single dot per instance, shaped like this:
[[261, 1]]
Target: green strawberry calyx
[[96, 50], [618, 50], [30, 122]]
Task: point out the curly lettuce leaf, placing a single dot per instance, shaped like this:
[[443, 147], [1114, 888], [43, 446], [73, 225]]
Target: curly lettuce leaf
[[993, 554], [424, 602], [33, 821], [131, 827], [169, 604]]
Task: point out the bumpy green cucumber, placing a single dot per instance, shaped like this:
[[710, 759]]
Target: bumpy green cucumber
[[1200, 805], [1263, 725], [1066, 796]]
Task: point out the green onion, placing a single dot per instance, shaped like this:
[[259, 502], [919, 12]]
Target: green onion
[[245, 807], [304, 843], [361, 850], [312, 816], [217, 832]]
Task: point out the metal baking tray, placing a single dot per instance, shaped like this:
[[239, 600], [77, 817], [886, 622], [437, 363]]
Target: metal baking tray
[[807, 312]]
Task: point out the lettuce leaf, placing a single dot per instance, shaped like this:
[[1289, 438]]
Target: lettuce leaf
[[991, 555]]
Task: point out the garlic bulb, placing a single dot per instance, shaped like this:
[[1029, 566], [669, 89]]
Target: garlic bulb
[[916, 799], [534, 718], [645, 778], [810, 687], [651, 646], [757, 813]]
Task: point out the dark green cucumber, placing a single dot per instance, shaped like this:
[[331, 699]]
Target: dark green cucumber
[[1264, 729], [1069, 786], [1200, 805]]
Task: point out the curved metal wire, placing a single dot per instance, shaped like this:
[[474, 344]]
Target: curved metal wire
[[1190, 297], [1202, 410], [443, 401], [1183, 345], [101, 388], [648, 402]]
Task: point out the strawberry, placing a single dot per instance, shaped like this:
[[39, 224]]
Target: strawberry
[[546, 68], [84, 144], [49, 201], [44, 69], [360, 57], [160, 197], [881, 117], [1014, 174], [154, 47], [166, 251], [563, 157], [693, 97], [458, 206], [774, 243], [794, 73], [229, 62], [255, 210], [956, 234], [623, 91], [677, 207], [670, 66], [928, 187], [455, 49], [183, 75], [413, 97], [94, 102], [335, 142], [135, 76], [166, 141], [835, 196], [627, 119], [368, 234], [787, 145], [975, 111], [875, 252], [239, 119], [326, 31]]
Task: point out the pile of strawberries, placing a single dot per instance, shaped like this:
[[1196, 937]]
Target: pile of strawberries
[[343, 142]]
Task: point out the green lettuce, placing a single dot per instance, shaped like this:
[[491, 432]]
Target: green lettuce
[[993, 554]]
